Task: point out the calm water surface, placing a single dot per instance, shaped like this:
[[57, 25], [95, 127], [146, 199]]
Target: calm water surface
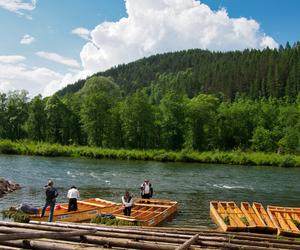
[[192, 185]]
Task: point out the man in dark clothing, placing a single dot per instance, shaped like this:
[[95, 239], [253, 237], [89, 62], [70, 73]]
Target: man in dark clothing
[[51, 194]]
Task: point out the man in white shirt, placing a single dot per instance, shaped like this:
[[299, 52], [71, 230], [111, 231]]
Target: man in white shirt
[[127, 202], [73, 195], [146, 190]]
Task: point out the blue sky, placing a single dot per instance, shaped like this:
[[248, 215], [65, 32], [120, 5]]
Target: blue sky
[[47, 44]]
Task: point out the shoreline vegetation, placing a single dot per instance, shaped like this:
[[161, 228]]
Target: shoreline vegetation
[[236, 157]]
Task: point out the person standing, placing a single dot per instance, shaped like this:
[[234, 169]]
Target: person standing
[[146, 190], [73, 195], [127, 202], [51, 194]]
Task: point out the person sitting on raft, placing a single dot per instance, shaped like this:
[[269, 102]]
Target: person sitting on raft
[[127, 202]]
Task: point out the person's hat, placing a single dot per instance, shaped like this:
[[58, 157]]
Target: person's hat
[[73, 187]]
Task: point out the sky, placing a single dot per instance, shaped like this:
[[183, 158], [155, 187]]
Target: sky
[[47, 44]]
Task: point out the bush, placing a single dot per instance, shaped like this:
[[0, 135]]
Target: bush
[[17, 216], [262, 140], [110, 220], [7, 147]]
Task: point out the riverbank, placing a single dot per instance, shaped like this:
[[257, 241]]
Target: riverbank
[[214, 157], [7, 186]]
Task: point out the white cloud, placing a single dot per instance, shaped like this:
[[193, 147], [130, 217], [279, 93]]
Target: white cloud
[[18, 6], [16, 75], [58, 58], [178, 25], [27, 39], [12, 59], [82, 32], [267, 41], [66, 79], [152, 26]]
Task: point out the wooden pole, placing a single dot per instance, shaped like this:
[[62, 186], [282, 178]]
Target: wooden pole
[[158, 240], [108, 242], [188, 243], [46, 245], [225, 245], [51, 235], [8, 230], [168, 240], [137, 232], [109, 229]]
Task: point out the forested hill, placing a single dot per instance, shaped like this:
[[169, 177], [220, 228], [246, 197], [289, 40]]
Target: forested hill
[[165, 102], [254, 73]]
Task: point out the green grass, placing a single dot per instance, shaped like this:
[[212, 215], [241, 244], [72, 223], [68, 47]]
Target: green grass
[[297, 223], [226, 220], [112, 221], [245, 221], [236, 157], [17, 216]]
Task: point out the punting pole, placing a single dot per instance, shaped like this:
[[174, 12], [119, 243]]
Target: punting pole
[[188, 243]]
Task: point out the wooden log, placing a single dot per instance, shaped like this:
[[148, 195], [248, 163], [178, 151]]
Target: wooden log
[[140, 237], [243, 235], [108, 229], [48, 235], [47, 245], [124, 237], [32, 226], [193, 231], [188, 243], [128, 244], [222, 245], [289, 245], [9, 248], [102, 241], [255, 243], [236, 235], [213, 237], [9, 230]]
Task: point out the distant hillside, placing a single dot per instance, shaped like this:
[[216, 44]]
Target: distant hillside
[[253, 73]]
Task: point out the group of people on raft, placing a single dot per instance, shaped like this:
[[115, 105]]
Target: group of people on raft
[[73, 195], [127, 200]]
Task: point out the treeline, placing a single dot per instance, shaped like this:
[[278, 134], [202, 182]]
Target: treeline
[[152, 118], [254, 73]]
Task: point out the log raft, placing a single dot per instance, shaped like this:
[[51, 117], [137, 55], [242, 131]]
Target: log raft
[[67, 236]]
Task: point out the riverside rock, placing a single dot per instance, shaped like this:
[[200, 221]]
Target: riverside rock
[[7, 186]]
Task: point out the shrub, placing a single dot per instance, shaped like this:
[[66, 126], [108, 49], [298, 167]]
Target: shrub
[[17, 216]]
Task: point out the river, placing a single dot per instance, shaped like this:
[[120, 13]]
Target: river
[[192, 185]]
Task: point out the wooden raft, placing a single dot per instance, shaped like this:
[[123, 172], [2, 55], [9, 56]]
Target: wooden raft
[[69, 236]]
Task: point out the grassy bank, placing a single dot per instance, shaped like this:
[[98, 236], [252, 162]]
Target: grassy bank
[[219, 157]]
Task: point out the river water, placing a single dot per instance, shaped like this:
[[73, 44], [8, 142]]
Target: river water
[[192, 185]]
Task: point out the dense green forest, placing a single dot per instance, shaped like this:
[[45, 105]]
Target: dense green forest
[[255, 73], [194, 100]]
